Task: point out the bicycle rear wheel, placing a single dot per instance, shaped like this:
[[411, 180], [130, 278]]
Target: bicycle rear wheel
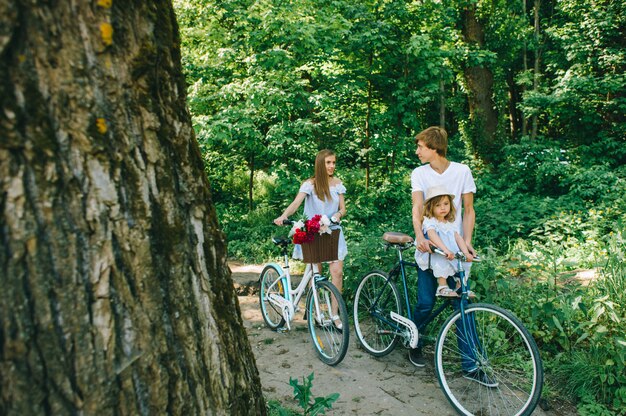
[[271, 285], [375, 298], [507, 373], [330, 341]]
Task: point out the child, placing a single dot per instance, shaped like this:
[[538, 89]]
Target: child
[[438, 225]]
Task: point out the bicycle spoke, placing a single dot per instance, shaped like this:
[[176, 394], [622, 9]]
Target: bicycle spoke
[[375, 299], [330, 342], [271, 286], [507, 373]]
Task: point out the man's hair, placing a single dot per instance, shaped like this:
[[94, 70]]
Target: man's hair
[[429, 208], [434, 138]]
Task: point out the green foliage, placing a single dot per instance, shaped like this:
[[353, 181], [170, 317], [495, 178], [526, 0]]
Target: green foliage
[[310, 404], [276, 408], [249, 234], [579, 328], [271, 82]]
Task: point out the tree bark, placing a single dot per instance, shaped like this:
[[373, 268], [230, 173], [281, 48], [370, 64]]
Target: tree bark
[[251, 167], [479, 80], [442, 103], [515, 115], [525, 59], [537, 67], [116, 297], [368, 115]]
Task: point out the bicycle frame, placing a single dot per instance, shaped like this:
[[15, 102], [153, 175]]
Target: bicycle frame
[[400, 269], [293, 296], [485, 358]]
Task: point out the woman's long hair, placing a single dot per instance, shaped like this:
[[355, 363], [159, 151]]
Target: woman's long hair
[[321, 182]]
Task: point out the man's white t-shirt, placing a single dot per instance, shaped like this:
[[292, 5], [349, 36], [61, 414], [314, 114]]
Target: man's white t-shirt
[[457, 179]]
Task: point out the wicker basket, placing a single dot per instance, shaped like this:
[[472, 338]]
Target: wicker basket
[[324, 247]]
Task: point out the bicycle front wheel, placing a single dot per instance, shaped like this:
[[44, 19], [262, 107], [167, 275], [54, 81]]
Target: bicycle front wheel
[[488, 363], [271, 287], [327, 319], [375, 298]]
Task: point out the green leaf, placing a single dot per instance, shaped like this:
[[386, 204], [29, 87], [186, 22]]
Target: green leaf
[[601, 329], [557, 324]]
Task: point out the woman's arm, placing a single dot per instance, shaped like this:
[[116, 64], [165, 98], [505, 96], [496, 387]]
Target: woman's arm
[[291, 209], [342, 208]]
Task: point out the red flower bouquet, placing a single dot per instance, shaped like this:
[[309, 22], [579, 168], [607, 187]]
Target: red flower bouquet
[[319, 242], [304, 231]]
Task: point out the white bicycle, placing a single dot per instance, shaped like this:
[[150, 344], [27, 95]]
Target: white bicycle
[[325, 309]]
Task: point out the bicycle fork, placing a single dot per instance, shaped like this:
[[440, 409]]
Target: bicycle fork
[[282, 304], [317, 301]]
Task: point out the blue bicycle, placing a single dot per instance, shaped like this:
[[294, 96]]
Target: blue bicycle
[[486, 360]]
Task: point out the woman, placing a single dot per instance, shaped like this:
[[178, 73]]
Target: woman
[[322, 194]]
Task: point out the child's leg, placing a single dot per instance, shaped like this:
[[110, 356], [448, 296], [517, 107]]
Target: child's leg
[[443, 289], [457, 281]]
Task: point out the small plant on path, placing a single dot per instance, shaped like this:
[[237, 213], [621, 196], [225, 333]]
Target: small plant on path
[[311, 405]]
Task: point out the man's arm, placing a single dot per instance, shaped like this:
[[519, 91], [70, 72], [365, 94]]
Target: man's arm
[[469, 219], [417, 211]]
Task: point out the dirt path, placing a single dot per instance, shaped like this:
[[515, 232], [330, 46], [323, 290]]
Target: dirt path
[[367, 385]]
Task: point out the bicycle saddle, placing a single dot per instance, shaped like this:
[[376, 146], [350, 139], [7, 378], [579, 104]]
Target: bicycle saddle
[[397, 238]]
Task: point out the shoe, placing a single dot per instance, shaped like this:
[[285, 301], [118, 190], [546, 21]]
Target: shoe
[[470, 294], [481, 377], [416, 357], [446, 292], [337, 322]]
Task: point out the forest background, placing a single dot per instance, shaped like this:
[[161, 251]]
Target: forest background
[[533, 95]]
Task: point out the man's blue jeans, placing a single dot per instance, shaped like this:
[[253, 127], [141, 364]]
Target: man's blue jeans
[[426, 288]]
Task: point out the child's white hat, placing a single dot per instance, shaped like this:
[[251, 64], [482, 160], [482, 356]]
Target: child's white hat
[[437, 190]]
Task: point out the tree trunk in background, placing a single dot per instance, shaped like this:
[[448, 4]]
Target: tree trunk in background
[[442, 103], [116, 297], [514, 99], [479, 80], [525, 58], [251, 183], [366, 144], [536, 72]]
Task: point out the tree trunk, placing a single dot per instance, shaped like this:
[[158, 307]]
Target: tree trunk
[[536, 72], [116, 297], [442, 103], [525, 58], [251, 183], [479, 80], [514, 99], [368, 115]]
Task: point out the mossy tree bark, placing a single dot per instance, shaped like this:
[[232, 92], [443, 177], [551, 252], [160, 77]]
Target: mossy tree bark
[[479, 82], [115, 296]]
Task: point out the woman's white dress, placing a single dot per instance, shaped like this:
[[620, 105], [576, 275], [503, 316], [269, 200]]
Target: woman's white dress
[[441, 266], [313, 206]]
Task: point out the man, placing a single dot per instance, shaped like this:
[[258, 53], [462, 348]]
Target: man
[[432, 146]]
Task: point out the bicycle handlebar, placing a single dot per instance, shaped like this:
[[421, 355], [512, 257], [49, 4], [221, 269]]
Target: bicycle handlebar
[[291, 222], [459, 255]]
